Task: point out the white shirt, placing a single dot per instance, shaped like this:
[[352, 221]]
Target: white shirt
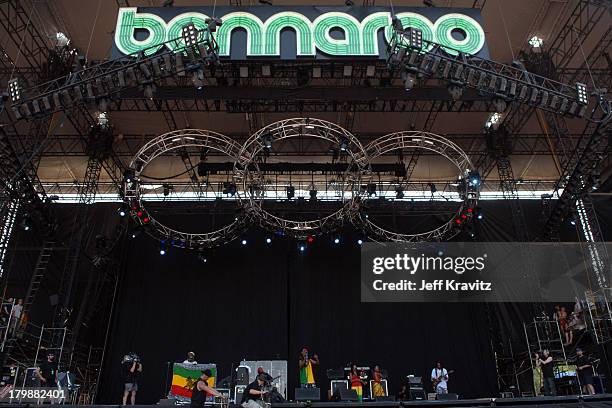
[[190, 362], [17, 311], [436, 373]]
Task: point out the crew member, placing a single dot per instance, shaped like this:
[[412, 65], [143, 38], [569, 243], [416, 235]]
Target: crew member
[[585, 372], [47, 372], [548, 376], [439, 379], [131, 371], [305, 363], [201, 390], [190, 358], [254, 392]]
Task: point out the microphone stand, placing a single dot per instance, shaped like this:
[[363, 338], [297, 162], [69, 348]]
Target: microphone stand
[[165, 390]]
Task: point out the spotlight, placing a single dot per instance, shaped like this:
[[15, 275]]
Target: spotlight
[[243, 241], [399, 193], [26, 223], [268, 240], [136, 231], [343, 144], [474, 179], [371, 189], [167, 188], [581, 90], [302, 246], [290, 192], [493, 121], [229, 188], [536, 43], [415, 38], [313, 195], [190, 35], [61, 40], [162, 251], [310, 239], [202, 257], [336, 240], [129, 175], [122, 212], [455, 90], [409, 80], [267, 140], [14, 90], [572, 219], [360, 242], [162, 248]]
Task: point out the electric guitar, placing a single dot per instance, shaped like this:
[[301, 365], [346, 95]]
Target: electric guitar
[[436, 381]]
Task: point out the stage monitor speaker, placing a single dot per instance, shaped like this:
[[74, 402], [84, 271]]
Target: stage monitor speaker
[[242, 375], [307, 394], [348, 395], [447, 397], [416, 395], [238, 391], [385, 399]]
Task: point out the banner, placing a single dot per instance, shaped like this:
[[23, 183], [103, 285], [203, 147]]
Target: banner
[[299, 32], [184, 378]]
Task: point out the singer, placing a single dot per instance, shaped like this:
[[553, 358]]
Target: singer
[[306, 373]]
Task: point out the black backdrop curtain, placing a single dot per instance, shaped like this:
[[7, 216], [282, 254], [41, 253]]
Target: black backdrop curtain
[[264, 301]]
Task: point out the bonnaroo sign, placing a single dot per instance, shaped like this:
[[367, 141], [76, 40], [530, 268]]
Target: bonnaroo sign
[[318, 32]]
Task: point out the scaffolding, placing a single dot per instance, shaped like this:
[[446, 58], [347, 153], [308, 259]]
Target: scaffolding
[[600, 314]]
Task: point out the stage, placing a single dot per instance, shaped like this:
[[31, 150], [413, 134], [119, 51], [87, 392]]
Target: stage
[[594, 401]]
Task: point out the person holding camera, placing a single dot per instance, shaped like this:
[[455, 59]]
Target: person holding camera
[[131, 368]]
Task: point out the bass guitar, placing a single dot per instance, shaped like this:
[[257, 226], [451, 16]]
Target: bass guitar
[[437, 380]]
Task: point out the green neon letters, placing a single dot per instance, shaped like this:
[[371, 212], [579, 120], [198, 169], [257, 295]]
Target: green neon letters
[[263, 37]]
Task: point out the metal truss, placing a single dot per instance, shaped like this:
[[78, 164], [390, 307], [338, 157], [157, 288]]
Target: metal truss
[[186, 140], [254, 183], [473, 144], [396, 142]]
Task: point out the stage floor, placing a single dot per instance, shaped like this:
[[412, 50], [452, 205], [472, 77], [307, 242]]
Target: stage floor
[[595, 401]]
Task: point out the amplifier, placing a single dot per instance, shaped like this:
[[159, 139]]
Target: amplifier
[[238, 391], [348, 395], [307, 394]]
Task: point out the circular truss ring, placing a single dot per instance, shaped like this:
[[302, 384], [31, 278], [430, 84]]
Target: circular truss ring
[[179, 139], [437, 144], [247, 172]]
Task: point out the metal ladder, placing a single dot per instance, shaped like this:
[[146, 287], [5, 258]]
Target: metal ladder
[[39, 273]]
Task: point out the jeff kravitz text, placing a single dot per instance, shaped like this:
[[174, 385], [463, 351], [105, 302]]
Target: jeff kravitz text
[[414, 264]]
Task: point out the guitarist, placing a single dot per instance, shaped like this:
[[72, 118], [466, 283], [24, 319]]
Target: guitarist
[[439, 379]]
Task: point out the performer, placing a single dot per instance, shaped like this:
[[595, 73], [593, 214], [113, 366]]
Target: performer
[[305, 363], [377, 389], [439, 379], [253, 393], [131, 371], [190, 358], [356, 382], [201, 390], [561, 316], [548, 375], [268, 378], [585, 372]]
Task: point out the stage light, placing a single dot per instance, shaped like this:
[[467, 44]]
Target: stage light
[[371, 189], [360, 242], [455, 90], [266, 70], [198, 77], [129, 175], [202, 257], [149, 90], [243, 241], [267, 140], [268, 240], [26, 223], [122, 212], [137, 231], [581, 90], [313, 195], [290, 192], [572, 219], [162, 251], [102, 119], [343, 144], [348, 70], [500, 105], [478, 213], [493, 120], [14, 90], [399, 193], [244, 72], [190, 35], [337, 239], [415, 38], [409, 80], [302, 246], [61, 40], [310, 239], [229, 188], [474, 179], [536, 43], [167, 188]]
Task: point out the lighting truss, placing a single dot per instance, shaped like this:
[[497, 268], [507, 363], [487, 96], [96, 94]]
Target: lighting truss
[[468, 192], [248, 174], [508, 83], [104, 82], [133, 191]]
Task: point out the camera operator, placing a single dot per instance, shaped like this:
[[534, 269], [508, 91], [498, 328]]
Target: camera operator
[[131, 368]]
